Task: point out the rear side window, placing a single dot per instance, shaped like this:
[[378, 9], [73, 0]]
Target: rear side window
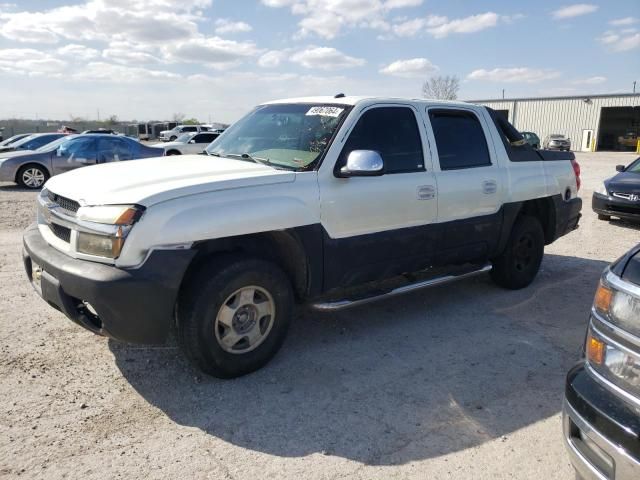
[[516, 151], [190, 129], [460, 139], [205, 137], [393, 133]]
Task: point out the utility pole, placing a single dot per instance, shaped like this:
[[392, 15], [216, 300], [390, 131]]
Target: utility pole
[[98, 110], [503, 93], [634, 86]]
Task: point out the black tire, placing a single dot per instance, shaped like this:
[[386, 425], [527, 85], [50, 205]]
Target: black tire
[[37, 173], [606, 218], [204, 296], [172, 138], [173, 152], [518, 265]]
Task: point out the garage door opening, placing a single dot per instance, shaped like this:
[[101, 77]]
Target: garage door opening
[[619, 129]]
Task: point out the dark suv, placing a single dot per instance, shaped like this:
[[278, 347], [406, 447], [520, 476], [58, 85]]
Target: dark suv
[[601, 415]]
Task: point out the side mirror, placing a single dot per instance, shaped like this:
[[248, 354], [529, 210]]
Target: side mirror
[[620, 168], [518, 143], [363, 163], [192, 141]]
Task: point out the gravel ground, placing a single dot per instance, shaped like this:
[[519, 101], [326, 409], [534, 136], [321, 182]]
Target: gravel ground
[[461, 381]]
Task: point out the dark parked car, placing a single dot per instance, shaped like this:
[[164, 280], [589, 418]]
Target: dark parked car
[[31, 142], [601, 414], [619, 196], [32, 169], [13, 139], [532, 139]]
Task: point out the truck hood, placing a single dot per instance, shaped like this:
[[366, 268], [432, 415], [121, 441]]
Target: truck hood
[[149, 181]]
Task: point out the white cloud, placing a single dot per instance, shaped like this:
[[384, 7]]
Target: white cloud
[[78, 52], [439, 26], [27, 61], [127, 54], [597, 80], [621, 22], [575, 10], [511, 75], [625, 40], [215, 52], [471, 24], [139, 21], [109, 72], [224, 25], [272, 58], [411, 68], [325, 58], [328, 18]]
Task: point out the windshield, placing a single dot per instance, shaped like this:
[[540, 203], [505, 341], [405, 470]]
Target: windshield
[[292, 136], [49, 147], [185, 137], [634, 167], [557, 136]]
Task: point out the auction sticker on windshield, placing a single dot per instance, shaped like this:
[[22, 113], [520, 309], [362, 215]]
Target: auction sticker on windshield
[[326, 111]]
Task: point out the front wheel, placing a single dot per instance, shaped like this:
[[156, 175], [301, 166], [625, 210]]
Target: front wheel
[[234, 315], [172, 138], [173, 152], [32, 176], [518, 265]]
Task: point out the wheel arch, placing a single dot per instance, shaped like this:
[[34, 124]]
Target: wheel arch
[[29, 164], [285, 248]]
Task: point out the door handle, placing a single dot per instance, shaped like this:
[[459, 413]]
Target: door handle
[[489, 187], [426, 192]]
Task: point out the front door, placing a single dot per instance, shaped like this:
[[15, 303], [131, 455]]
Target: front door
[[587, 139], [379, 226], [77, 152]]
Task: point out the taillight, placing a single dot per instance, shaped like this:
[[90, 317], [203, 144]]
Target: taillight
[[576, 171]]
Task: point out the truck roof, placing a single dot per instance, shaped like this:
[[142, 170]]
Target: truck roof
[[353, 100]]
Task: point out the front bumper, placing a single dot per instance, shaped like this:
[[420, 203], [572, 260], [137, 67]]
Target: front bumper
[[130, 305], [601, 431], [615, 207]]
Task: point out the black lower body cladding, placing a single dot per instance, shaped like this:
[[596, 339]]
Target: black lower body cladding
[[132, 305]]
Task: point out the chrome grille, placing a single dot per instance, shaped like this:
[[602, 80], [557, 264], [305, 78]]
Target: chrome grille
[[63, 233], [64, 202], [632, 197]]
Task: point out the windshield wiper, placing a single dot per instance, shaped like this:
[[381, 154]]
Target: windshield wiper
[[246, 156]]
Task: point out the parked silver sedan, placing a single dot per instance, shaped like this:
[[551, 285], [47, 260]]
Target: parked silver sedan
[[556, 141], [31, 169]]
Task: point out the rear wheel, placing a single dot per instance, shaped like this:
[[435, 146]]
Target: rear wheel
[[173, 152], [234, 315], [32, 176], [518, 265]]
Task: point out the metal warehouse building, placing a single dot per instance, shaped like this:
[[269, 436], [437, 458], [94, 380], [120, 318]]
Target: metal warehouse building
[[593, 122]]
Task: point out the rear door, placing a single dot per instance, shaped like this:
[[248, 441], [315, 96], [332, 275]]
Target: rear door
[[470, 183]]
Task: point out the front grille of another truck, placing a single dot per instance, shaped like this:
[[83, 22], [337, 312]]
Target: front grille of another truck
[[65, 203], [63, 233]]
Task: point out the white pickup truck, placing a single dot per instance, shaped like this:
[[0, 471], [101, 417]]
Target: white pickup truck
[[330, 201]]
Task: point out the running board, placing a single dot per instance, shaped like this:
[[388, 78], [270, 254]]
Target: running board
[[432, 282]]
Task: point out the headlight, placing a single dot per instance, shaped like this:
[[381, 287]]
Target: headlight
[[617, 307], [615, 362], [111, 214], [602, 190], [99, 245]]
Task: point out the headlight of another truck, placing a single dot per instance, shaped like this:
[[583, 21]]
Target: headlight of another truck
[[614, 359], [106, 241]]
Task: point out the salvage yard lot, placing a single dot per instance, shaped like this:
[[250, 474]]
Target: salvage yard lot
[[461, 381]]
